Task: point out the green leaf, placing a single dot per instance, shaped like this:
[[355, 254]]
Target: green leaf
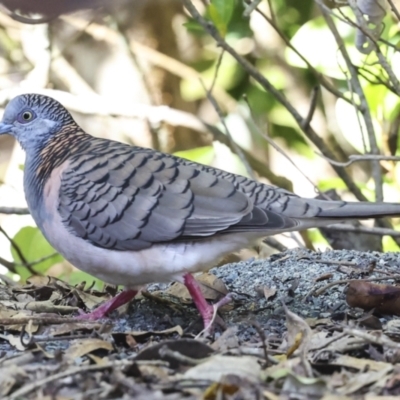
[[202, 155], [193, 26], [389, 244], [335, 183], [33, 246], [220, 12]]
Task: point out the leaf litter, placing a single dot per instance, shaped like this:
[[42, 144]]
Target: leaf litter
[[303, 325]]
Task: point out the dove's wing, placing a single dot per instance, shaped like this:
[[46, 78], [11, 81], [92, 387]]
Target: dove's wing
[[122, 197], [128, 198]]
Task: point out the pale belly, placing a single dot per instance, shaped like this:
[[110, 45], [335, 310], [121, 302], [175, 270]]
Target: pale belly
[[160, 263]]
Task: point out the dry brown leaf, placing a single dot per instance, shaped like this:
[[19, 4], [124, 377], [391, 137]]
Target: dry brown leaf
[[311, 388], [81, 347], [369, 295], [228, 340], [370, 321], [314, 322], [9, 377], [38, 281], [176, 329], [45, 306], [130, 341], [335, 346], [323, 277], [8, 312], [69, 327], [216, 367], [15, 341], [359, 363], [270, 395], [320, 339], [153, 371], [392, 329], [362, 380], [226, 388], [269, 292], [191, 348], [89, 300], [299, 333]]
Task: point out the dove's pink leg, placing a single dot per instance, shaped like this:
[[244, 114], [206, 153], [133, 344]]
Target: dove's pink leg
[[206, 310], [110, 305]]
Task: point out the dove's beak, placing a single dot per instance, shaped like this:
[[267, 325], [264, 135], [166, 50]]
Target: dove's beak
[[5, 128]]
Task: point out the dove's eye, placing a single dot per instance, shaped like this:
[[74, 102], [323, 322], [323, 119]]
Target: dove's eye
[[26, 116]]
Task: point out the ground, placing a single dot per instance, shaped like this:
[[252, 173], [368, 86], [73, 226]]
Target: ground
[[290, 333]]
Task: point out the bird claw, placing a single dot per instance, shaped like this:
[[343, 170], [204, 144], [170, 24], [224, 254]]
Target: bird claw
[[210, 316]]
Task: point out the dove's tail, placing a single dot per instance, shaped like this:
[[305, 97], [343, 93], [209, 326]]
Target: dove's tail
[[355, 210], [296, 213]]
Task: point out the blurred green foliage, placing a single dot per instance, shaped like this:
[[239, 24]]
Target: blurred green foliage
[[34, 247]]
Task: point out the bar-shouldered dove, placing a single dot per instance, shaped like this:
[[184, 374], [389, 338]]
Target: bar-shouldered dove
[[130, 215]]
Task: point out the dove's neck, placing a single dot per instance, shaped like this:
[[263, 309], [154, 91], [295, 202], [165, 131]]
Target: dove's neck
[[41, 161]]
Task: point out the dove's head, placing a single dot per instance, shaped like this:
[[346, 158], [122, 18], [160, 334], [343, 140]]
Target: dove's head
[[33, 119]]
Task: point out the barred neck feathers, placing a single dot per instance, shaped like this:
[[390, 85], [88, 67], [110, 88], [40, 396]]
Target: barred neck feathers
[[71, 139]]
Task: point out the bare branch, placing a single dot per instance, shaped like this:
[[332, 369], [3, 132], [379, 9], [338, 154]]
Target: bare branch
[[311, 110], [14, 210], [357, 158], [394, 9]]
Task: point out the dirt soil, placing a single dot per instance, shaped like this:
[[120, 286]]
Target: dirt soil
[[303, 325]]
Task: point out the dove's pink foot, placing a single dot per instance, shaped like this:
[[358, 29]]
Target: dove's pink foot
[[110, 305], [206, 310]]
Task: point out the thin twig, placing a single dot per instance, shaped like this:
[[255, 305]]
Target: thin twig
[[9, 265], [380, 340], [356, 158], [167, 352], [313, 105], [43, 320], [250, 7], [263, 338], [19, 252], [14, 210], [217, 67], [318, 292], [24, 262], [275, 244], [394, 9]]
